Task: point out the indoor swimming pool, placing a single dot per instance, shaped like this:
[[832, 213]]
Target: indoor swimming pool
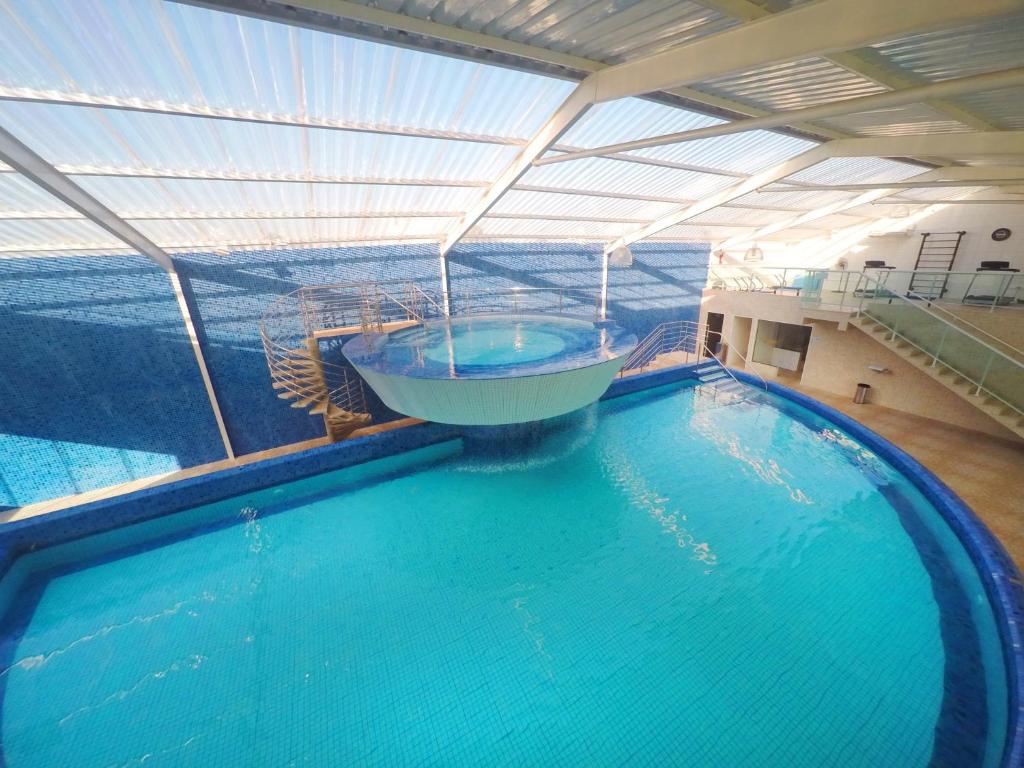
[[675, 576]]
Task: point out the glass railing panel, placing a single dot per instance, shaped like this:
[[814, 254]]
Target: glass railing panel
[[966, 355], [990, 289], [1005, 380], [911, 323]]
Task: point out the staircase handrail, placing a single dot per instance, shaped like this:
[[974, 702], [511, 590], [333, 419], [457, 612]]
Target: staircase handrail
[[933, 304], [654, 344], [954, 325], [979, 383]]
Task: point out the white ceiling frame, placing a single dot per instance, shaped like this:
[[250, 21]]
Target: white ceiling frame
[[34, 168], [975, 83], [957, 144], [823, 211], [805, 31], [78, 99]]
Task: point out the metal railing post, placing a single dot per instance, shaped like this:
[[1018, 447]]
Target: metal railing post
[[984, 375], [938, 350]]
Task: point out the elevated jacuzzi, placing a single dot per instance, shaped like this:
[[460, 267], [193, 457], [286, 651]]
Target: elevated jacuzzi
[[492, 368]]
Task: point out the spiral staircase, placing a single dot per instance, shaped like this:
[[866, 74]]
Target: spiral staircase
[[299, 327]]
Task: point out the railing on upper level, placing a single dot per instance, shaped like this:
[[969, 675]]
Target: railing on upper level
[[990, 289], [846, 291], [691, 340]]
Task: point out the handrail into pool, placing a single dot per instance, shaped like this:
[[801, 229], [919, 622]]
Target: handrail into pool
[[688, 336]]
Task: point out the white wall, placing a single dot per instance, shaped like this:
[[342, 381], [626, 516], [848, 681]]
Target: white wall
[[977, 221], [900, 250]]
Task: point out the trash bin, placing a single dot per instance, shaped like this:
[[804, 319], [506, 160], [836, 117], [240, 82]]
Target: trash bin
[[861, 394]]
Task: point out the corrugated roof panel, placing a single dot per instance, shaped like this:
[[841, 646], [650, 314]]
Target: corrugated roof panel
[[630, 119], [740, 217], [78, 135], [805, 201], [791, 85], [1005, 107], [183, 234], [628, 178], [596, 29], [19, 234], [521, 202], [127, 196], [544, 228], [700, 233], [897, 121], [19, 194], [202, 57], [961, 51], [748, 152], [855, 170]]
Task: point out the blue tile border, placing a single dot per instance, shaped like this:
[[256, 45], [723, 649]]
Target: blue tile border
[[1001, 579], [22, 536], [999, 575]]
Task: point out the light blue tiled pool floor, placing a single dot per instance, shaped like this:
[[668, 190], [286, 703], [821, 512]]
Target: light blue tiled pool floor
[[658, 580]]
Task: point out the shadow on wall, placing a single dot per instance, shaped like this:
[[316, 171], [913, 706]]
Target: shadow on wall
[[100, 384], [227, 295], [664, 283], [99, 381]]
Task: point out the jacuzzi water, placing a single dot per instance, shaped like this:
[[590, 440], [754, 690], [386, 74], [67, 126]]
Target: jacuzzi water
[[661, 579], [492, 347]]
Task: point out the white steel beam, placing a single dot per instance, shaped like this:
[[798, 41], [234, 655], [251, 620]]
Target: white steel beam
[[822, 212], [798, 163], [894, 185], [998, 143], [569, 112], [807, 30], [79, 99], [976, 83], [33, 167], [952, 145]]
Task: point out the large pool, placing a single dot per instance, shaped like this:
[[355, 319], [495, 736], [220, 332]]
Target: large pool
[[665, 578]]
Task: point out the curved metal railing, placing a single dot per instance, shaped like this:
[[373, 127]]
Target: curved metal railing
[[686, 336], [298, 372]]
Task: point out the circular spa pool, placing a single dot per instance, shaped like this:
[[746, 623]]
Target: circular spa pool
[[497, 369]]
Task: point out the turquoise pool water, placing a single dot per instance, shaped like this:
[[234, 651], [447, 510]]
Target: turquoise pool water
[[492, 346], [667, 578]]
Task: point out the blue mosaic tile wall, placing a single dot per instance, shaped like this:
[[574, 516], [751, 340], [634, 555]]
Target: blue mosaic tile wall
[[99, 383], [664, 283], [125, 399]]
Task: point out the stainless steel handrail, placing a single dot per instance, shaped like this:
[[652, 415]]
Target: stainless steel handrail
[[672, 336]]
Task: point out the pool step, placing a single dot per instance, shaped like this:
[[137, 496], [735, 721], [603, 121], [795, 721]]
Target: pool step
[[719, 386], [994, 408]]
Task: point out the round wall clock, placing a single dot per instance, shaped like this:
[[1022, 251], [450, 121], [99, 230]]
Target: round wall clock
[[1001, 234]]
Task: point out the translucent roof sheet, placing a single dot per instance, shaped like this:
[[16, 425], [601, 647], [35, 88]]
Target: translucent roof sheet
[[206, 129]]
